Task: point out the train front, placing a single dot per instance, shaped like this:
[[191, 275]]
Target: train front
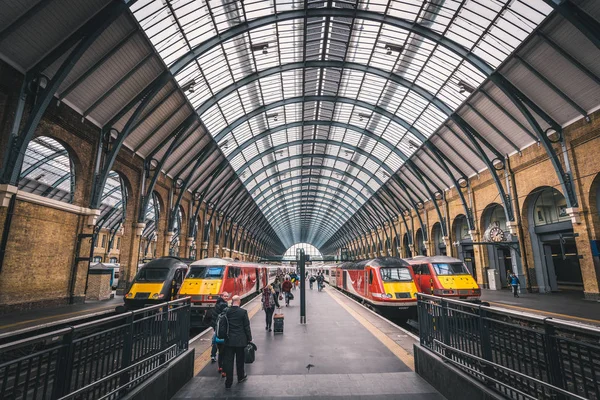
[[397, 287], [203, 284]]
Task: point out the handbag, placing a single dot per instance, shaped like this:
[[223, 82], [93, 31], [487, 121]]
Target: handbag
[[250, 353], [280, 297]]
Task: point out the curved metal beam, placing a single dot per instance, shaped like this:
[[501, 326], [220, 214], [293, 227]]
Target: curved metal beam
[[350, 13]]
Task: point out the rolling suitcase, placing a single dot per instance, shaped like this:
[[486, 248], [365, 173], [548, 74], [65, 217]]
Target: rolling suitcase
[[278, 323]]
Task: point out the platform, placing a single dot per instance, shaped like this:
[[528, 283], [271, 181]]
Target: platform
[[344, 351], [564, 305], [25, 319]]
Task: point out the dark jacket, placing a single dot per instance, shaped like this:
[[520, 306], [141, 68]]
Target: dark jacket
[[239, 328], [219, 307], [287, 286]]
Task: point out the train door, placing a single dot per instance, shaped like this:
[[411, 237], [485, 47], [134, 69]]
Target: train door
[[258, 278], [176, 283], [366, 281], [424, 278], [369, 282], [344, 279]]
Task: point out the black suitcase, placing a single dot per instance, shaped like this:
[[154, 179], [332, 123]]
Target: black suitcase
[[278, 318]]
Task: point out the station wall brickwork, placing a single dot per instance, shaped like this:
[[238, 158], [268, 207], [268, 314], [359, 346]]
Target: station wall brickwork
[[532, 170], [39, 260]]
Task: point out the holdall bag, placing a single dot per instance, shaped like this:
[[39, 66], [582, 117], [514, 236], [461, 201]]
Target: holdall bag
[[250, 353]]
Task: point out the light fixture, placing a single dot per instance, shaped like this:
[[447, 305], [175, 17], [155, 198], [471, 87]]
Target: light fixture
[[262, 47], [348, 152], [390, 48], [464, 86], [273, 116], [225, 144], [362, 116], [189, 87], [412, 145]]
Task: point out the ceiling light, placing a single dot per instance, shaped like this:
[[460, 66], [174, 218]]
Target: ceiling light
[[262, 47], [225, 144], [362, 116], [389, 48], [465, 87], [189, 87], [412, 145], [273, 116]]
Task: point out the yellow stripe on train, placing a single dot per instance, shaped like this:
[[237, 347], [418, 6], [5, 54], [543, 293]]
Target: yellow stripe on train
[[152, 288], [457, 282], [401, 287], [194, 287]]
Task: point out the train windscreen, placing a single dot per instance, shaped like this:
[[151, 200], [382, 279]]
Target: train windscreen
[[450, 269], [152, 275], [395, 274], [204, 272]]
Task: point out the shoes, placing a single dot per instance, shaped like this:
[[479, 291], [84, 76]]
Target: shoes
[[213, 359], [227, 387], [266, 327], [244, 379], [269, 329]]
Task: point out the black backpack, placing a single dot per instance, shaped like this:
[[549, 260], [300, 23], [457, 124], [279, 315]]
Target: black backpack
[[222, 325]]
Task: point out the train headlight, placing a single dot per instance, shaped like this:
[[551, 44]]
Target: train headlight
[[155, 296], [389, 295], [129, 295]]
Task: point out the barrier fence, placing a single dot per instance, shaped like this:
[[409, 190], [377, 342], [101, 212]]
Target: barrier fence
[[518, 355], [102, 359]]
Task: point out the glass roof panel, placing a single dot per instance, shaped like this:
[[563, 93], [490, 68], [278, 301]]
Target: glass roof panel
[[354, 76]]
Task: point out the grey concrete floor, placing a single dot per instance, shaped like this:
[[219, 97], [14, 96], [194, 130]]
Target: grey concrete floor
[[331, 356]]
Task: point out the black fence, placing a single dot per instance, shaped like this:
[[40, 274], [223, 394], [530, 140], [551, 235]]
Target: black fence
[[102, 359], [520, 356]]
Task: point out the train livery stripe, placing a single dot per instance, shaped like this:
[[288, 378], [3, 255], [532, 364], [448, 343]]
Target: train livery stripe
[[392, 346]]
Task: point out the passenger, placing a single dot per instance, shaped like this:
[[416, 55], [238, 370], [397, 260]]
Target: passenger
[[239, 337], [277, 288], [311, 281], [320, 280], [287, 287], [514, 282], [220, 305], [268, 303], [508, 275]]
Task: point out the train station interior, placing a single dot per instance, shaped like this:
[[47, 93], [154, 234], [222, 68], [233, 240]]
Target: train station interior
[[363, 142]]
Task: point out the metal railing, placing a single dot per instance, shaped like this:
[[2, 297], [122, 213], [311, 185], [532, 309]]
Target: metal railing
[[98, 359], [519, 355]]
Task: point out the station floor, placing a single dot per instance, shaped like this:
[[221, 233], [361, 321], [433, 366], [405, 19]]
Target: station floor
[[343, 351], [26, 319], [569, 305]]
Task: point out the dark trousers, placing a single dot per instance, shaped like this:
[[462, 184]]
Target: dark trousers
[[269, 314], [240, 356], [515, 289]]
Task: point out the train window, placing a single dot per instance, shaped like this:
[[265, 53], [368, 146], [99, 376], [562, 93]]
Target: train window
[[424, 269], [152, 275], [196, 272], [450, 269], [178, 276], [395, 274]]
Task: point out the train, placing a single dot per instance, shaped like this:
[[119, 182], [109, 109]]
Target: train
[[207, 279], [156, 282], [445, 277], [386, 284]]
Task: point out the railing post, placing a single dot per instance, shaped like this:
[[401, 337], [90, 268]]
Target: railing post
[[555, 377], [127, 350], [445, 323], [64, 367], [486, 344], [164, 332]]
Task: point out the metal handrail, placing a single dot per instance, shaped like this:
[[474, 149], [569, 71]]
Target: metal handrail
[[511, 371], [120, 372]]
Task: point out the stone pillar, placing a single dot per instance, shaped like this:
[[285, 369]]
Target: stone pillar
[[480, 260], [204, 250], [188, 244], [216, 251], [167, 243], [130, 249]]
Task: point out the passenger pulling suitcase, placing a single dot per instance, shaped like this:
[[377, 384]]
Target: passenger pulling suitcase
[[278, 323]]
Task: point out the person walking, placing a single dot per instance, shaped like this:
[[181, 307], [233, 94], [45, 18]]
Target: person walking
[[286, 287], [508, 276], [220, 305], [239, 335], [268, 303], [514, 282], [277, 288], [320, 280], [311, 280]]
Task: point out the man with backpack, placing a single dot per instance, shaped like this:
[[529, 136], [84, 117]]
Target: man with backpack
[[217, 344], [233, 325]]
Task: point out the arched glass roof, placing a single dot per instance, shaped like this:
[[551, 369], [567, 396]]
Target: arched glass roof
[[317, 102], [309, 250]]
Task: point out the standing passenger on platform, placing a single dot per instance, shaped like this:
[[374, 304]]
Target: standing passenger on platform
[[287, 287], [238, 338], [220, 305], [514, 282], [268, 303], [508, 276]]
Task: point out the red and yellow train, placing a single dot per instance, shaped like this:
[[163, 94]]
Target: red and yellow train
[[386, 284], [207, 279]]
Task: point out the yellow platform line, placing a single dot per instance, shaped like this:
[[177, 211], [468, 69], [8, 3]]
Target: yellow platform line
[[392, 346], [536, 311], [204, 359]]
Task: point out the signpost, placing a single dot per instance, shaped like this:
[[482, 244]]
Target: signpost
[[301, 259]]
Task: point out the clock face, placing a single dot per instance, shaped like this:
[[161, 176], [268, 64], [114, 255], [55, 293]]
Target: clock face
[[497, 234]]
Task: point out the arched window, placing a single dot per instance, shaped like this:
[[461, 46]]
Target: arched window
[[47, 170], [309, 250], [113, 206], [174, 246], [550, 208]]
